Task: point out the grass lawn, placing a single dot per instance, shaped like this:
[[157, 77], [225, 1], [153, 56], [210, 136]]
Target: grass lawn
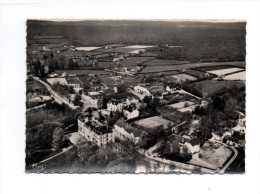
[[83, 72], [160, 62], [170, 114], [212, 86], [215, 157], [132, 61], [153, 122]]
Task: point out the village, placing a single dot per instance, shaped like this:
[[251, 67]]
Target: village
[[125, 96]]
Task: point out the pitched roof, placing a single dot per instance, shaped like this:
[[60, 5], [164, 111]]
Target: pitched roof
[[121, 123], [195, 141], [129, 129], [137, 133]]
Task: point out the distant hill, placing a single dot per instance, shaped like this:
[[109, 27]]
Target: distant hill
[[89, 33]]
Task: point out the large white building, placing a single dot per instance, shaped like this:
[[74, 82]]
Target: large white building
[[95, 131]]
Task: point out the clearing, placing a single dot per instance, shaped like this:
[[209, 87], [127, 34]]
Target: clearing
[[236, 76], [153, 122]]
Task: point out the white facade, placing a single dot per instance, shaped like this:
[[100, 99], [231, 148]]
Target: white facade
[[90, 135], [113, 107], [120, 133], [142, 90], [192, 148], [131, 115]]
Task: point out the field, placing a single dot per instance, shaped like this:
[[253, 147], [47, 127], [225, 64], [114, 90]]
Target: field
[[119, 50], [215, 157], [186, 66], [83, 72], [196, 73], [212, 86], [159, 62], [184, 77], [127, 80], [236, 76], [187, 109], [153, 122], [225, 71], [170, 114], [133, 61], [181, 104], [219, 65], [87, 48], [151, 69], [166, 73]]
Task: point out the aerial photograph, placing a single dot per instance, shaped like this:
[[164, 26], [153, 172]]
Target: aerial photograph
[[135, 96]]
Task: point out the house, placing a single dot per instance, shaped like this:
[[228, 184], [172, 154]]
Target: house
[[92, 99], [216, 136], [241, 126], [41, 99], [180, 139], [96, 131], [142, 90], [193, 145], [132, 100], [171, 90], [123, 131], [115, 105], [64, 74], [130, 112], [232, 141], [53, 74], [74, 82], [158, 91]]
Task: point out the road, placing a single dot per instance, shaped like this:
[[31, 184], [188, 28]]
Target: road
[[56, 97], [222, 171], [148, 154], [36, 107]]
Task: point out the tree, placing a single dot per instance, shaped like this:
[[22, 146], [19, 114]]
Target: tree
[[184, 154], [231, 107], [122, 88], [58, 138]]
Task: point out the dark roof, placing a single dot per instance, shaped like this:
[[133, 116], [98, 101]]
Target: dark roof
[[129, 129], [73, 80], [121, 123], [137, 133], [155, 89], [179, 138], [195, 141]]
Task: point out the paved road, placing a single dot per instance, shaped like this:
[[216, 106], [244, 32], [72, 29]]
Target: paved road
[[56, 97], [222, 171], [36, 107]]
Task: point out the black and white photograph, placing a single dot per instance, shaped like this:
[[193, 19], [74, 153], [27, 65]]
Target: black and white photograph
[[135, 96]]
